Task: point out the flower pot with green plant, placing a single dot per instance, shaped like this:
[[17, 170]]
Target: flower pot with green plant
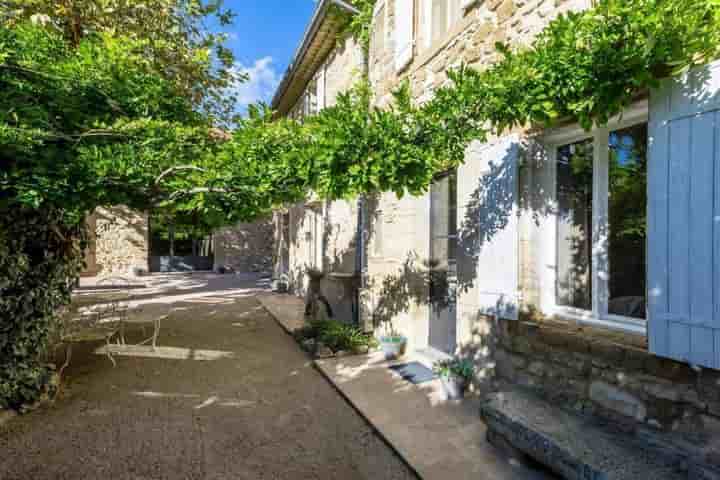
[[393, 345], [455, 375]]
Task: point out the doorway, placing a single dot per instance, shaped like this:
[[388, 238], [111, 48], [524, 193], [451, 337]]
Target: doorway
[[443, 263], [179, 245]]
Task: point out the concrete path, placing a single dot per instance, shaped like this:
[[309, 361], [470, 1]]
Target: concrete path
[[227, 395], [441, 440]]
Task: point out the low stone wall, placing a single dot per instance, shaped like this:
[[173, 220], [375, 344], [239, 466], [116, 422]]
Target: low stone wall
[[122, 241], [613, 376], [245, 247]]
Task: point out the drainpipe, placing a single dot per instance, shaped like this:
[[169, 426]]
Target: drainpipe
[[360, 264], [360, 238]]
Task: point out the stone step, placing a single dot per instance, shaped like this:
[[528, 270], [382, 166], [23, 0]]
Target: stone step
[[570, 445]]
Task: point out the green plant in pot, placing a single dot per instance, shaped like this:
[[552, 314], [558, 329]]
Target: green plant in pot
[[455, 375], [393, 345]]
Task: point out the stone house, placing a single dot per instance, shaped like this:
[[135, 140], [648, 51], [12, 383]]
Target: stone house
[[315, 234], [568, 262], [121, 243]]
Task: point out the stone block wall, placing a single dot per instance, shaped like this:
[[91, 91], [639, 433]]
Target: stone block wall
[[322, 235], [470, 40], [343, 68], [613, 376], [121, 241], [338, 73], [245, 247]]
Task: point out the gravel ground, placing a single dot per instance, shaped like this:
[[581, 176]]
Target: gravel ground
[[259, 411]]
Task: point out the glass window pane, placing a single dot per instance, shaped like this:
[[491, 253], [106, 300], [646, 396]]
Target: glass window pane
[[574, 226], [439, 19], [627, 207], [378, 36], [439, 208]]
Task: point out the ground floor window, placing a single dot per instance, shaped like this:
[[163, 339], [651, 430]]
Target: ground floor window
[[574, 226], [600, 233], [627, 219]]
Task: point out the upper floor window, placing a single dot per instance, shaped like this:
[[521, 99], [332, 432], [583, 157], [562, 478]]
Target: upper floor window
[[439, 16], [311, 99], [378, 32]]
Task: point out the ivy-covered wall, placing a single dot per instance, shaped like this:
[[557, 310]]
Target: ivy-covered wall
[[470, 39], [39, 257]]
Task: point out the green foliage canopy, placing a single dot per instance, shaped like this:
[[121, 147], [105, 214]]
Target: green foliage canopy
[[173, 35], [107, 118]]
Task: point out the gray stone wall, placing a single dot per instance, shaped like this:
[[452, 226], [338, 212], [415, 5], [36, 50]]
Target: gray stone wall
[[613, 376], [245, 247], [322, 235], [121, 241], [470, 39]]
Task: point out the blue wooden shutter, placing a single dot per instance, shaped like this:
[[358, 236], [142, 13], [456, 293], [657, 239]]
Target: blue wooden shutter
[[684, 218]]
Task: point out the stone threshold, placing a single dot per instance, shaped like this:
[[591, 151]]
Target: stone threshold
[[436, 438], [576, 447]]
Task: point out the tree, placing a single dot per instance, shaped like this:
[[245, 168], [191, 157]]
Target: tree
[[99, 110], [82, 125], [172, 33]]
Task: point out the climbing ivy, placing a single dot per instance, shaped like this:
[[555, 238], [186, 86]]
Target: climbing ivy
[[39, 256], [360, 24], [587, 66]]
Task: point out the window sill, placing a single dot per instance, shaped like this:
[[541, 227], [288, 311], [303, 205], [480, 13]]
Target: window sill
[[630, 325]]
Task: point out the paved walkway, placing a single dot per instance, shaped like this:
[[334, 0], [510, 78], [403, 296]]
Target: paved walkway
[[441, 440], [227, 395]]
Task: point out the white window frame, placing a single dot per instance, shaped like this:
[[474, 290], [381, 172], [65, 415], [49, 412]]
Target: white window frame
[[551, 141], [380, 6], [449, 21]]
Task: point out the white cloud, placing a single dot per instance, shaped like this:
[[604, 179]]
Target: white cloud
[[262, 80]]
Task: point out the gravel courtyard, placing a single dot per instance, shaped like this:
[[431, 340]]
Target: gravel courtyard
[[226, 395]]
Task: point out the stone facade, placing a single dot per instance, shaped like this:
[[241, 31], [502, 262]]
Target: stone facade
[[613, 376], [470, 37], [245, 247], [321, 235], [119, 242], [592, 370]]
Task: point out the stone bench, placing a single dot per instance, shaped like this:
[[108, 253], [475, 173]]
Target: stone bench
[[572, 446]]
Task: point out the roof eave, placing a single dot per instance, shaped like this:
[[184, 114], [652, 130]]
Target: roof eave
[[311, 33]]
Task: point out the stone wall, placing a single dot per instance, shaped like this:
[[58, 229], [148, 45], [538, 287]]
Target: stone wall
[[613, 376], [121, 241], [470, 39], [340, 71], [245, 247], [322, 235]]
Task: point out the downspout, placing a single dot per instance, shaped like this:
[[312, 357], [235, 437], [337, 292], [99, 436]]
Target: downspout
[[360, 264], [360, 237]]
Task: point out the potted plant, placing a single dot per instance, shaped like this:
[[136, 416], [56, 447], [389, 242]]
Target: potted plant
[[455, 375], [393, 345]]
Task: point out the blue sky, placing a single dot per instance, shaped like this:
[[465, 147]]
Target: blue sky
[[264, 37]]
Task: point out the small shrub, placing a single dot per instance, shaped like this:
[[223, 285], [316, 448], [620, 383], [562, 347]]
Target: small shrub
[[336, 335], [457, 367]]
